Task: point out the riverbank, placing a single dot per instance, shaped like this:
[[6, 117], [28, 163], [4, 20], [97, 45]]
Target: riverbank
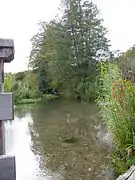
[[119, 115], [46, 97]]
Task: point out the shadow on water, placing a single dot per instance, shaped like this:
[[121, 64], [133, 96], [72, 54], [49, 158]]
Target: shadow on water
[[60, 140]]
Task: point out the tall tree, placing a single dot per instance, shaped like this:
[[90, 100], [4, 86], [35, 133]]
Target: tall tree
[[69, 49], [88, 36]]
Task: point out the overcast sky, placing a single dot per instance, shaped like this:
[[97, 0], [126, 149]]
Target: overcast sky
[[19, 18]]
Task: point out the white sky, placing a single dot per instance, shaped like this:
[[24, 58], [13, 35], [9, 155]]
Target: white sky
[[19, 18]]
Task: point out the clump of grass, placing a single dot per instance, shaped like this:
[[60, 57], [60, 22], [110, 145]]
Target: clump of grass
[[28, 101], [118, 110]]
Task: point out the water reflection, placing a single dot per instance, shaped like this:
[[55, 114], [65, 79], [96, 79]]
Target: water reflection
[[18, 143], [60, 140], [67, 133]]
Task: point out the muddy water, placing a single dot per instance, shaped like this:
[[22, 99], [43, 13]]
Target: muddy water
[[60, 140]]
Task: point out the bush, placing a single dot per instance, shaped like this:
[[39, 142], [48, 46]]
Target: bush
[[86, 90]]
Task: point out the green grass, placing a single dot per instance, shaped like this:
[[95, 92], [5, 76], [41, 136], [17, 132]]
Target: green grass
[[28, 101], [45, 97]]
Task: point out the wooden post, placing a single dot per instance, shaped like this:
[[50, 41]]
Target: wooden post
[[2, 128], [1, 137]]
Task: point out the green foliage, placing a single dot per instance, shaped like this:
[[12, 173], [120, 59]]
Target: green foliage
[[118, 109], [127, 64], [119, 162], [23, 85], [28, 101], [20, 76], [87, 91], [66, 51]]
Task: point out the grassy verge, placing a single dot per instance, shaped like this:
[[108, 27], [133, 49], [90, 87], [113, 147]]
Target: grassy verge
[[46, 97], [118, 110]]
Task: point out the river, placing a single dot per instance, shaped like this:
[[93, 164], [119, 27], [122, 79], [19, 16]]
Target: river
[[59, 140]]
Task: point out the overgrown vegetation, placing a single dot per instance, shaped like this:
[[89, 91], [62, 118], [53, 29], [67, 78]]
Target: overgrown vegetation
[[118, 109], [66, 51], [24, 87], [65, 59], [65, 56]]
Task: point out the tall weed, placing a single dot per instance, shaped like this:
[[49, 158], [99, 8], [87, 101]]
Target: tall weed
[[117, 105]]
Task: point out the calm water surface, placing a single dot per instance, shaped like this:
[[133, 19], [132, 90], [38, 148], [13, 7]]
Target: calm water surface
[[61, 140]]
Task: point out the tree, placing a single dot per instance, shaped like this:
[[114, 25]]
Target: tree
[[69, 49], [126, 63], [19, 76]]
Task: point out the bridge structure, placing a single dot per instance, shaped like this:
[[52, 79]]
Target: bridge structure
[[7, 163], [129, 175]]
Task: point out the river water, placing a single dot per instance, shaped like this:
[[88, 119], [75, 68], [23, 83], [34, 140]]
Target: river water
[[59, 140]]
